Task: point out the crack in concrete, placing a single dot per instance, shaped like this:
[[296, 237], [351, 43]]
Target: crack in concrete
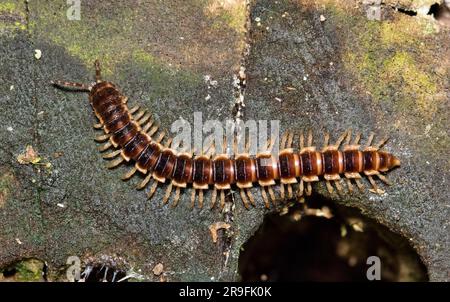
[[239, 84]]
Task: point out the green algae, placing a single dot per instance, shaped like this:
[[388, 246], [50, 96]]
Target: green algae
[[28, 270], [14, 17], [389, 61]]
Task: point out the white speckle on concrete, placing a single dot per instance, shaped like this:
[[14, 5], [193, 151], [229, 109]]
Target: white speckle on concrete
[[11, 87], [37, 54], [10, 129]]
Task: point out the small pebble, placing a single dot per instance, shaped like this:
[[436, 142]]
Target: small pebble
[[37, 54], [322, 18], [11, 87], [158, 269]]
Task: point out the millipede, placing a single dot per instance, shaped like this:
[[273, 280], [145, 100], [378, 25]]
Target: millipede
[[132, 135]]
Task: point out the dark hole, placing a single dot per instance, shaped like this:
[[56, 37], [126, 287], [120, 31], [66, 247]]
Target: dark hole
[[300, 246], [103, 273], [437, 10], [407, 12], [9, 272]]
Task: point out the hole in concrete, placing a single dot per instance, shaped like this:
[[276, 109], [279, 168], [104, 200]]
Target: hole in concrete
[[322, 241], [439, 11], [9, 272], [29, 269], [406, 11]]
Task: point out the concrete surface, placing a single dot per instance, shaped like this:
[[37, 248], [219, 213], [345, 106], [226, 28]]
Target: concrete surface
[[390, 77]]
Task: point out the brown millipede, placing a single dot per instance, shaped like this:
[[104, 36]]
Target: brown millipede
[[131, 134]]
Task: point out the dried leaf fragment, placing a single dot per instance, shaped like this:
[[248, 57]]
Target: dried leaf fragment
[[213, 228], [28, 157]]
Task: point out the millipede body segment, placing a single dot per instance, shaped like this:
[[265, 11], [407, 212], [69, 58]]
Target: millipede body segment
[[132, 135]]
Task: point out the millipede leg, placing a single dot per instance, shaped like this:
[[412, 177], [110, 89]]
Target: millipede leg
[[200, 198], [247, 145], [290, 140], [357, 138], [153, 130], [265, 198], [270, 144], [144, 182], [160, 137], [326, 140], [98, 73], [349, 137], [168, 192], [308, 190], [104, 147], [222, 199], [381, 143], [300, 188], [290, 195], [139, 115], [244, 198], [235, 149], [193, 198], [374, 186], [329, 187], [98, 126], [112, 154], [168, 142], [152, 190], [210, 151], [213, 198], [145, 119], [369, 140], [147, 126], [177, 197], [338, 186], [384, 179], [282, 191], [134, 109], [341, 138], [283, 140], [359, 184], [250, 197], [115, 163], [129, 174], [349, 185], [272, 195], [302, 141], [102, 138], [310, 138]]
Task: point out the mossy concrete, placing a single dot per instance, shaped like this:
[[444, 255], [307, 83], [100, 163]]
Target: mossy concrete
[[390, 77]]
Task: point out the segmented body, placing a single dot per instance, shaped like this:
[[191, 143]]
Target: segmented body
[[130, 133]]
